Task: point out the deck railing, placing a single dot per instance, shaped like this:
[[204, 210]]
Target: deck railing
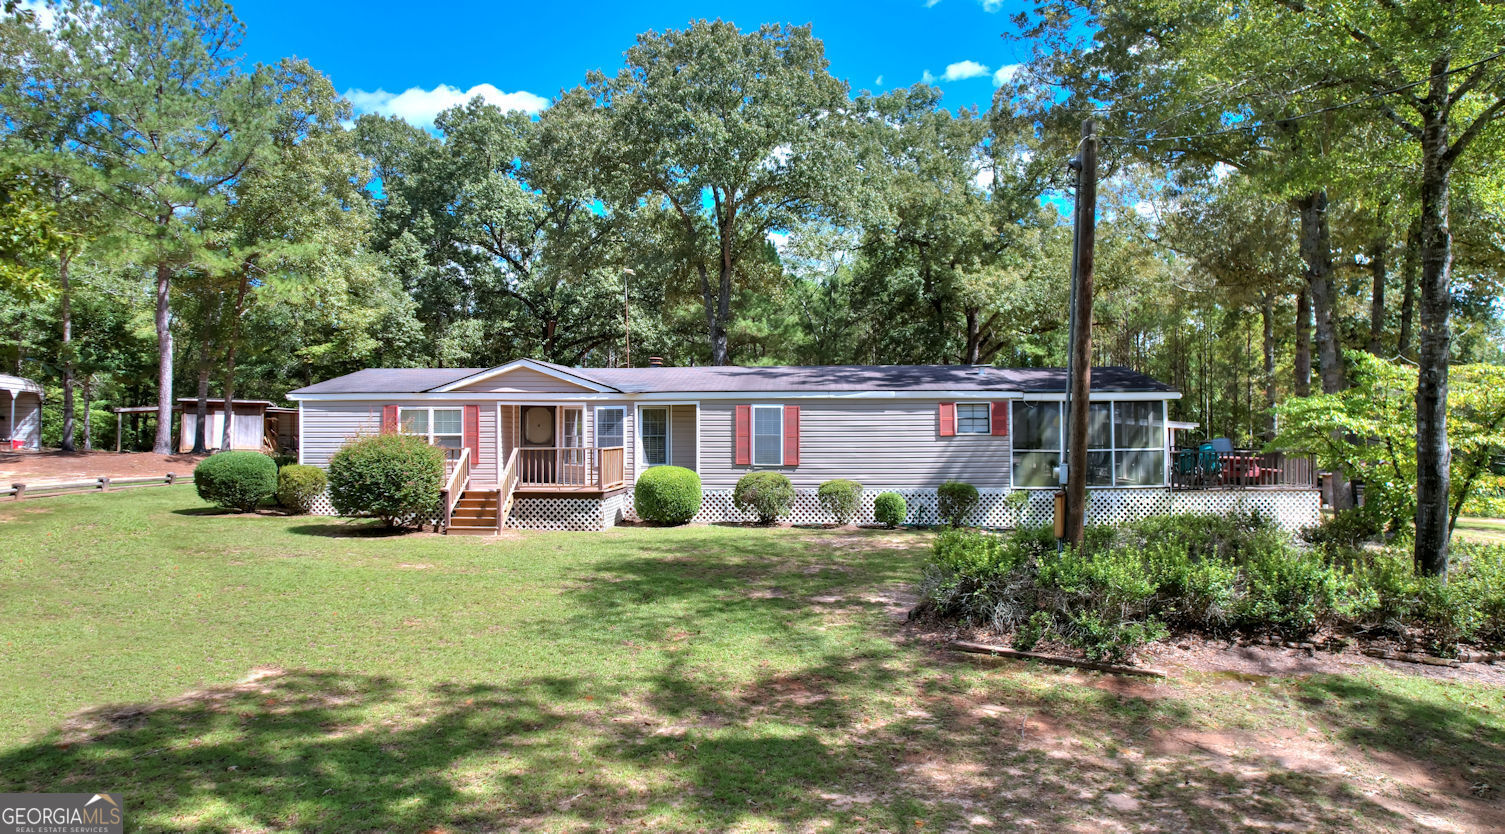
[[506, 484], [1200, 468], [570, 467]]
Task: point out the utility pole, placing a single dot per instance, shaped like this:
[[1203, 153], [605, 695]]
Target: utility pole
[[1079, 368], [626, 322]]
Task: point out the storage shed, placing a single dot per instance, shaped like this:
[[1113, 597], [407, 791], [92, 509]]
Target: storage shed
[[20, 412], [258, 425]]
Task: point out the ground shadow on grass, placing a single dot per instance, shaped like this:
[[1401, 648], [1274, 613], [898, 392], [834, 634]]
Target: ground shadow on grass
[[351, 529], [320, 751]]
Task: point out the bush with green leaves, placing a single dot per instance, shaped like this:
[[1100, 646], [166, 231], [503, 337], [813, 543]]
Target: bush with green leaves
[[237, 481], [667, 495], [394, 477], [957, 500], [767, 495], [299, 486], [889, 509], [840, 499]]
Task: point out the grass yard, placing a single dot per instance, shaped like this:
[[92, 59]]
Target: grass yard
[[1485, 530], [263, 673]]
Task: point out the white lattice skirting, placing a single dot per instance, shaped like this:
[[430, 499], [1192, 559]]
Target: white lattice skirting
[[1292, 509]]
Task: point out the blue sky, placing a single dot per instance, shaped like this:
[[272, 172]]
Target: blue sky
[[413, 59]]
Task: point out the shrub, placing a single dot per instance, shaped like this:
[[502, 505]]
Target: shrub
[[298, 486], [283, 460], [889, 509], [840, 498], [237, 481], [1290, 591], [1111, 641], [767, 495], [394, 477], [1348, 529], [957, 500], [667, 495]]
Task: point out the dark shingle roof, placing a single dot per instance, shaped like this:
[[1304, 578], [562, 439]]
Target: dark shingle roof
[[802, 378]]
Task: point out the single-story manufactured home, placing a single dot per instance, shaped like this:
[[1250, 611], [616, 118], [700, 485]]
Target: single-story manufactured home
[[20, 412], [545, 446]]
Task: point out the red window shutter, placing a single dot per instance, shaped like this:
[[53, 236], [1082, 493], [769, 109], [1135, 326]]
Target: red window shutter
[[1000, 419], [791, 435], [948, 419], [742, 445], [388, 419], [471, 429]]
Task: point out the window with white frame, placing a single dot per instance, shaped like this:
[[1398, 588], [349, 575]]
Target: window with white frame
[[972, 418], [653, 433], [1037, 443], [610, 425], [768, 435], [1125, 443], [442, 426], [573, 435], [1139, 442]]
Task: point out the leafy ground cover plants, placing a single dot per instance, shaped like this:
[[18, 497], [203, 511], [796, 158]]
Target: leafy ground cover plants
[[1130, 585]]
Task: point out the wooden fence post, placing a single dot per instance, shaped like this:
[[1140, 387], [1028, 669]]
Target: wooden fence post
[[20, 490]]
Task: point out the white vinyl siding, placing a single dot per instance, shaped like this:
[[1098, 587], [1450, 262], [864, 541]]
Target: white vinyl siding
[[880, 443], [329, 425], [768, 435]]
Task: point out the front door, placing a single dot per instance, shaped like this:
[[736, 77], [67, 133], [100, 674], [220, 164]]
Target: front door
[[537, 462]]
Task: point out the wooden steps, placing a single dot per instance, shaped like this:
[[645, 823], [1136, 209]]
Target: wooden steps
[[475, 514]]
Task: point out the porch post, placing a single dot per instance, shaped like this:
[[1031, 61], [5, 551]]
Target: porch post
[[12, 423]]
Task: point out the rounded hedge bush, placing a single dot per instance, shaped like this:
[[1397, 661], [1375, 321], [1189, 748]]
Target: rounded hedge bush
[[393, 477], [840, 498], [667, 495], [298, 486], [889, 509], [237, 481], [957, 500], [766, 495]]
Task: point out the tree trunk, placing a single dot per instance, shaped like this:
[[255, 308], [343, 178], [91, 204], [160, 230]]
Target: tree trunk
[[162, 445], [1267, 350], [87, 386], [1408, 296], [66, 444], [970, 352], [201, 407], [228, 389], [1303, 363], [1378, 269], [1433, 456], [1316, 252]]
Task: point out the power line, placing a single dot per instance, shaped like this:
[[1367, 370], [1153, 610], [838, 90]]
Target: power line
[[1309, 114]]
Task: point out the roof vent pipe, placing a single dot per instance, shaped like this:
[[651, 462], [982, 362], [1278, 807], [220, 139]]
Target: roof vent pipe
[[655, 361]]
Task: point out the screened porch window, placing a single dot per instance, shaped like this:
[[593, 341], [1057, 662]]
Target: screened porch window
[[1125, 443]]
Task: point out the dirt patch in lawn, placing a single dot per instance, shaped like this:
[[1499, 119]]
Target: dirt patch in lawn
[[62, 467]]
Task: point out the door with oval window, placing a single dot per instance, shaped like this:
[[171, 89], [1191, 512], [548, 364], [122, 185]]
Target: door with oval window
[[538, 445]]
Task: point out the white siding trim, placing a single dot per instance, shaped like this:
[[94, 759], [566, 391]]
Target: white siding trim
[[300, 434], [680, 397]]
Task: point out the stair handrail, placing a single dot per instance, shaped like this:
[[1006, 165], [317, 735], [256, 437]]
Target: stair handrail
[[454, 488], [506, 483]]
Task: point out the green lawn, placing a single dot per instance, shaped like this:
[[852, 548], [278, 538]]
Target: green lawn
[[1486, 530], [263, 673]]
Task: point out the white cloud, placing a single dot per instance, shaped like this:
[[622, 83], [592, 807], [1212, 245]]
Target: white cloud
[[927, 78], [964, 69], [419, 107], [1005, 74], [991, 5], [43, 14], [878, 82], [930, 4]]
